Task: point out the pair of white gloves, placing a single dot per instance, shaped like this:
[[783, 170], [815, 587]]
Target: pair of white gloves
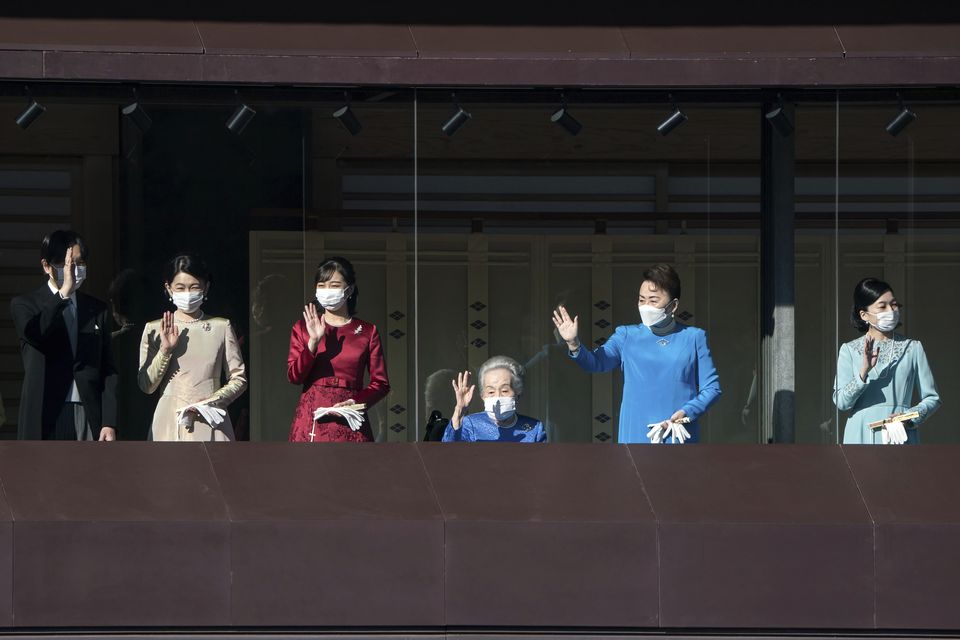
[[660, 431], [893, 433], [212, 415], [354, 417]]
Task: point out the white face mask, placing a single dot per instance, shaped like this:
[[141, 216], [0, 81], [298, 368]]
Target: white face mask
[[500, 408], [188, 301], [886, 320], [79, 274], [332, 298], [654, 316]]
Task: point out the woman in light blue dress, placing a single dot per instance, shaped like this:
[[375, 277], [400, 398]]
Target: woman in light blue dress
[[878, 372], [668, 373]]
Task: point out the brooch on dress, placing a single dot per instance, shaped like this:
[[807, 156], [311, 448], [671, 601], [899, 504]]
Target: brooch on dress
[[206, 326], [357, 331], [663, 342]]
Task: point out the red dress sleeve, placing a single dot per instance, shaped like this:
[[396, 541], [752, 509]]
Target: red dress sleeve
[[299, 359], [379, 385]]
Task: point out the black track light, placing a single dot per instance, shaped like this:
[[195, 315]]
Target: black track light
[[902, 120], [457, 120], [673, 121], [563, 118], [33, 111], [138, 116], [780, 121], [240, 119], [348, 119]]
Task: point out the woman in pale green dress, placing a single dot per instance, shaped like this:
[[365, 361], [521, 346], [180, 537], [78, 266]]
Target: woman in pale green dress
[[878, 373]]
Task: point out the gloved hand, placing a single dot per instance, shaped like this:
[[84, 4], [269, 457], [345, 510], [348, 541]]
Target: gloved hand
[[894, 433]]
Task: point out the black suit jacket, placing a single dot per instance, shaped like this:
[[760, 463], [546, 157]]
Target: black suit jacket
[[50, 365]]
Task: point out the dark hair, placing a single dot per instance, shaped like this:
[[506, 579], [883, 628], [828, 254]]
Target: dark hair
[[188, 263], [53, 247], [865, 294], [127, 292], [336, 264], [665, 278]]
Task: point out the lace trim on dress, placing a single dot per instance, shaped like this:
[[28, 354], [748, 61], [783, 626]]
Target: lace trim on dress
[[852, 387], [891, 351]]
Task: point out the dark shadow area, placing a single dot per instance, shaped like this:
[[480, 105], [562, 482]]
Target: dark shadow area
[[200, 187], [500, 12]]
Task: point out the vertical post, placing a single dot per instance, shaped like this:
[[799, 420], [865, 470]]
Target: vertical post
[[777, 278], [600, 329]]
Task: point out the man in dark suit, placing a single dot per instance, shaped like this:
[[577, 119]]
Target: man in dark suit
[[69, 383]]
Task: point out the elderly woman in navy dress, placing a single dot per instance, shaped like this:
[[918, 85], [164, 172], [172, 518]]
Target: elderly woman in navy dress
[[669, 380], [501, 386]]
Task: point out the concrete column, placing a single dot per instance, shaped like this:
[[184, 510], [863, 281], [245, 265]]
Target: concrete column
[[777, 294]]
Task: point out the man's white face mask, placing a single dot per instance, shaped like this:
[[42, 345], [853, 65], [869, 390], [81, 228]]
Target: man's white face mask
[[79, 274]]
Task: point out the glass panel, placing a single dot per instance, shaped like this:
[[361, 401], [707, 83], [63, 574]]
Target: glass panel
[[516, 216], [191, 185], [899, 202], [816, 271], [360, 206]]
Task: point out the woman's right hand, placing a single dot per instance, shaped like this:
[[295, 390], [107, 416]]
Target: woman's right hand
[[567, 328], [870, 354], [315, 325], [169, 335], [463, 393]]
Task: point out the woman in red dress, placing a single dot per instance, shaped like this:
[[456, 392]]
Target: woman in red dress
[[330, 351]]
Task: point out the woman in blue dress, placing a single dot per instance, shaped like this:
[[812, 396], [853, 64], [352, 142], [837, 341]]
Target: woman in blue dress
[[501, 385], [668, 374], [878, 372]]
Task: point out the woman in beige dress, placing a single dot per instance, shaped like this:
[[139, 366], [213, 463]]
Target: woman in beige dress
[[186, 354]]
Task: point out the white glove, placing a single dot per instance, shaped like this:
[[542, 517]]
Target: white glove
[[894, 433], [677, 432], [353, 417], [657, 431], [213, 416]]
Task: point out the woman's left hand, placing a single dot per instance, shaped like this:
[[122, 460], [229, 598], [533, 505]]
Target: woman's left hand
[[345, 403], [678, 416]]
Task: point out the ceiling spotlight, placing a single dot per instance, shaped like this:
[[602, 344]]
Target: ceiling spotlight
[[457, 120], [673, 121], [780, 121], [563, 118], [240, 119], [901, 120], [138, 116], [348, 119], [33, 111]]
